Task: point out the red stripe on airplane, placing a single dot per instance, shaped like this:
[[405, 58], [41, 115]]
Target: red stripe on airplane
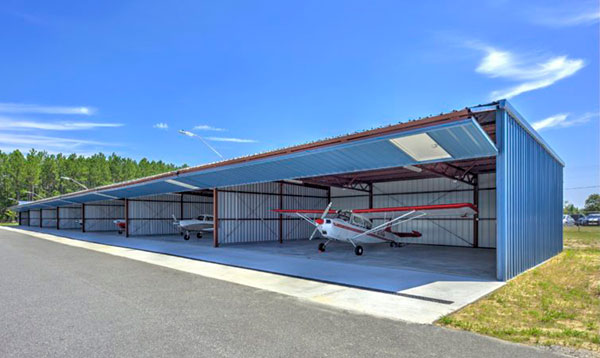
[[360, 232]]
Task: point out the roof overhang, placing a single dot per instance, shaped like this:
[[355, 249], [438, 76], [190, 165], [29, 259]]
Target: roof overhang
[[451, 140]]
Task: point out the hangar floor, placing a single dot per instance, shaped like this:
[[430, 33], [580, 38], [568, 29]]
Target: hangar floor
[[446, 275]]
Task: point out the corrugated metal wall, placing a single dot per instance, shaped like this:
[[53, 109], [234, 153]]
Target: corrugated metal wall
[[24, 218], [245, 212], [49, 218], [153, 215], [69, 217], [99, 215], [440, 231], [529, 185], [34, 218]]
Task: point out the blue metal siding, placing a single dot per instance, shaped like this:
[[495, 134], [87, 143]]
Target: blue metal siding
[[529, 196]]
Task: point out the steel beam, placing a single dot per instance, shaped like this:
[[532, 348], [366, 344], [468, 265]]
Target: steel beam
[[83, 217], [57, 218], [476, 216], [280, 216], [126, 217], [215, 217]]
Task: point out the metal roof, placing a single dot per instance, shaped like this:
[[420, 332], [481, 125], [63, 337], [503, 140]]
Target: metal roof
[[457, 133]]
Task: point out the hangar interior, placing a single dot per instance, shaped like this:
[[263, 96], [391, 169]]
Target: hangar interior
[[371, 169]]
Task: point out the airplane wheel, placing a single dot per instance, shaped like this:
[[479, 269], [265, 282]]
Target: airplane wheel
[[322, 247], [186, 237], [393, 244], [358, 250], [120, 232], [199, 235], [181, 233]]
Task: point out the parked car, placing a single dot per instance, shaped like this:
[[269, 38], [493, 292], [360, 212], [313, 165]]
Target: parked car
[[578, 218], [592, 220], [568, 220]]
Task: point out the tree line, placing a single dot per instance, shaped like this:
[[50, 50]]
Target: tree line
[[38, 174], [591, 205]]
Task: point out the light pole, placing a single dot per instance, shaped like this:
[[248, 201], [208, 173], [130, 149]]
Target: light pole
[[190, 134], [34, 194], [75, 181]]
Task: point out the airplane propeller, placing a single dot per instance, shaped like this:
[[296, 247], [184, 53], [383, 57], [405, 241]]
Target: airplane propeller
[[321, 219]]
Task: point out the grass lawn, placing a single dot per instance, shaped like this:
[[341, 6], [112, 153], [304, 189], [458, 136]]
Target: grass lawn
[[557, 303], [8, 224]]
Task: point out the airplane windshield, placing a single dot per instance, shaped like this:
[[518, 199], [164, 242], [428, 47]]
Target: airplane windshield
[[344, 215]]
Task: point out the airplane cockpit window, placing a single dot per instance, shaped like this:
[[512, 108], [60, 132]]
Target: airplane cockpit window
[[201, 218], [357, 220], [344, 215], [209, 218]]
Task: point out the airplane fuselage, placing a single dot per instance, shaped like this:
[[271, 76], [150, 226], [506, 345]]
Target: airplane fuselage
[[343, 230]]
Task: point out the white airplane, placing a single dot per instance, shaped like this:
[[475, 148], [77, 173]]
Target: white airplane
[[202, 223], [356, 226]]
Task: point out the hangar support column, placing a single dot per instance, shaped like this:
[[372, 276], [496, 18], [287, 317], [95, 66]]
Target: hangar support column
[[126, 217], [83, 217], [57, 218], [476, 216], [216, 217], [280, 215]]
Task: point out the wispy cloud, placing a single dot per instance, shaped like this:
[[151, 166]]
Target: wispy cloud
[[161, 126], [233, 140], [45, 142], [205, 127], [532, 72], [573, 13], [41, 109], [563, 120], [17, 124]]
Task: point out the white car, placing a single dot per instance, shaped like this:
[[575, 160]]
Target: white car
[[568, 220]]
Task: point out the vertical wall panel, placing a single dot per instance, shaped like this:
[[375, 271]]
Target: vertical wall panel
[[153, 215], [34, 218], [99, 215], [24, 218], [529, 185], [245, 212], [49, 218], [70, 217]]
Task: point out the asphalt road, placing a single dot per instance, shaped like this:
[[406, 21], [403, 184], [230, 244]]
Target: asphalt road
[[57, 300]]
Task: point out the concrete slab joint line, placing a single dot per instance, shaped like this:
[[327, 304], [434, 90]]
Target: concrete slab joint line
[[423, 303]]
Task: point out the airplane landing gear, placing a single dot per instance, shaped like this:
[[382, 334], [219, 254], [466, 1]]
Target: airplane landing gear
[[186, 236], [199, 235], [322, 247], [358, 250], [393, 244]]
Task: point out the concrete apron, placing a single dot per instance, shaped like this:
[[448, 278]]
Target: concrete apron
[[401, 306]]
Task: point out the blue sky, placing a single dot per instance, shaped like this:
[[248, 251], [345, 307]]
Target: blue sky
[[249, 76]]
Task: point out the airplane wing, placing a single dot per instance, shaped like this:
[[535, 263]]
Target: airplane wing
[[312, 214], [460, 209]]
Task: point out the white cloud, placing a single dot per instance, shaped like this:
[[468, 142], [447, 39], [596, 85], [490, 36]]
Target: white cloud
[[18, 124], [205, 127], [40, 109], [561, 120], [44, 142], [234, 140], [161, 126], [572, 14], [532, 73]]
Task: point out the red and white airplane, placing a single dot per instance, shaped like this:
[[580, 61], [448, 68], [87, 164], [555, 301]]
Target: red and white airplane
[[356, 226]]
